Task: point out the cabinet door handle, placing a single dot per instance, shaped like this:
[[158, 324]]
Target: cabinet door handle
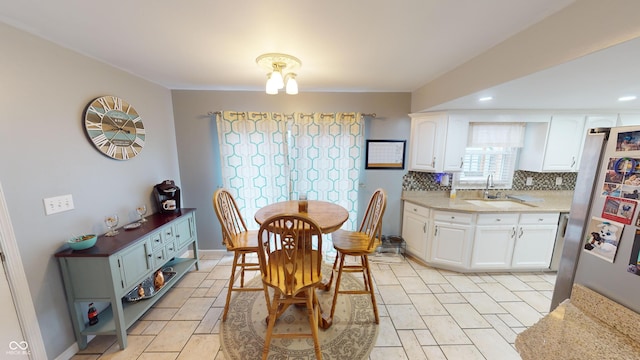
[[498, 219], [461, 162], [573, 161], [435, 233], [149, 255], [178, 235], [513, 233], [433, 162], [424, 228], [521, 232]]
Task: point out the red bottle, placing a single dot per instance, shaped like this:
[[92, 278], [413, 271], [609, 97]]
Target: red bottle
[[93, 315]]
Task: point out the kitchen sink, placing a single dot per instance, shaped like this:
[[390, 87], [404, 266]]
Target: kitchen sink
[[499, 204]]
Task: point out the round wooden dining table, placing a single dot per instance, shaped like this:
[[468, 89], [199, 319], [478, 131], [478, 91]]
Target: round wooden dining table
[[328, 215]]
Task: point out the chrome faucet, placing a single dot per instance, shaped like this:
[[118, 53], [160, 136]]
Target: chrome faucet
[[489, 184]]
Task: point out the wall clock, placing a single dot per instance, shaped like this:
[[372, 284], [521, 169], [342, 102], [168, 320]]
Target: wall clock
[[114, 127]]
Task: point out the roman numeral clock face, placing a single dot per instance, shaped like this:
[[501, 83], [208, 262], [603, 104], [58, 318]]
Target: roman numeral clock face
[[114, 127]]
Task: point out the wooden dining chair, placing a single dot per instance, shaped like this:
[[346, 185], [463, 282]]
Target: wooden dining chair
[[360, 244], [291, 261], [237, 239]]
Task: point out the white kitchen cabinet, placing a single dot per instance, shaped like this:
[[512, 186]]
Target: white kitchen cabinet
[[416, 227], [494, 240], [596, 121], [535, 240], [452, 237], [437, 142], [553, 146], [628, 119], [514, 241]]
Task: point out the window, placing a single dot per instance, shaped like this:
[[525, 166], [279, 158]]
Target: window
[[480, 162], [492, 149]]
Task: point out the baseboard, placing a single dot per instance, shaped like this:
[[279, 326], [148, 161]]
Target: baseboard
[[72, 350]]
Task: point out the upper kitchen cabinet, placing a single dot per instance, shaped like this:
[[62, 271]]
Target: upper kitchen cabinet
[[629, 119], [553, 146], [556, 145], [438, 142]]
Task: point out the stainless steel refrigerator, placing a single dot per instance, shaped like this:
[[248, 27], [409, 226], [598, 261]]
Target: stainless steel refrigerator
[[602, 243]]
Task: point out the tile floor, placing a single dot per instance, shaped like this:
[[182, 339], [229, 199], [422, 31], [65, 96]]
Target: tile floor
[[426, 313]]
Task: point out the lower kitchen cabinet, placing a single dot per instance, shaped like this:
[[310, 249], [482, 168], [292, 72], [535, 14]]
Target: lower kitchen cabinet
[[468, 241], [451, 242], [107, 272], [494, 240], [416, 226], [514, 241], [535, 240]]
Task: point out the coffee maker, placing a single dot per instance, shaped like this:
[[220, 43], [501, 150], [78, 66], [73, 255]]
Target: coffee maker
[[167, 196]]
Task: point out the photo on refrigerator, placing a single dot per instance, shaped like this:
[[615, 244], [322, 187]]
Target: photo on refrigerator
[[603, 238]]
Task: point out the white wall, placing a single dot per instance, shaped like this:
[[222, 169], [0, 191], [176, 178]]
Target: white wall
[[579, 29], [45, 153]]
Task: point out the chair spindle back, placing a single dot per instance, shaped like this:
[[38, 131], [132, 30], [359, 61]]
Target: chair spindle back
[[372, 221], [229, 215]]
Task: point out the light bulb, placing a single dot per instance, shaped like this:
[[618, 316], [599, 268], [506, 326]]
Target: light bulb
[[292, 84], [271, 89], [276, 78]]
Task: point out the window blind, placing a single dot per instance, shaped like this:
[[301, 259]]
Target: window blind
[[492, 148], [506, 135]]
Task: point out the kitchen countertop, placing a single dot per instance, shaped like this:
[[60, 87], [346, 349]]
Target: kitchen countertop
[[552, 201], [588, 326]]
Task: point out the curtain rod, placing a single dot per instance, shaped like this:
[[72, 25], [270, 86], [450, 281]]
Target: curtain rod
[[211, 113]]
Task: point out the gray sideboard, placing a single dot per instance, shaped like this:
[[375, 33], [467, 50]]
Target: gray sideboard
[[107, 272]]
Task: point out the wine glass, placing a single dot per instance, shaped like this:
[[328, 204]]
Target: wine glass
[[111, 221], [142, 211]]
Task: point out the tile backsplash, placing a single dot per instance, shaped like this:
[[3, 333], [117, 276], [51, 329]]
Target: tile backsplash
[[424, 181]]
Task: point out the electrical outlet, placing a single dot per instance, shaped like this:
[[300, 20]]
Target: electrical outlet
[[529, 181], [559, 180], [56, 204]]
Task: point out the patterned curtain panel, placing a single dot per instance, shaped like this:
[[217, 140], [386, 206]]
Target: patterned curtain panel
[[326, 159], [254, 160], [271, 157]]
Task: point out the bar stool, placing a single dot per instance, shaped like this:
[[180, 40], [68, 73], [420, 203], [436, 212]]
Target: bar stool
[[360, 244], [236, 238]]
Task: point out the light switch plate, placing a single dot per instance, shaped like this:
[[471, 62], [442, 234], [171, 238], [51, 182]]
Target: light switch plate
[[57, 204], [529, 181]]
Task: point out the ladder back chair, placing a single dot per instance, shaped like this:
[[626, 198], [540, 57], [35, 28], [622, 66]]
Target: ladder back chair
[[360, 244], [237, 239], [290, 257]]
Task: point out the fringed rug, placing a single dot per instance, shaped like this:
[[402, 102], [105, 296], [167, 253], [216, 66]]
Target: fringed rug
[[351, 336]]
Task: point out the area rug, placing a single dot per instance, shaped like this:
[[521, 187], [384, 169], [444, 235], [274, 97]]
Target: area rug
[[351, 336]]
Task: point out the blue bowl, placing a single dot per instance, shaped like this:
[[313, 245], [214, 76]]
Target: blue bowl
[[82, 242]]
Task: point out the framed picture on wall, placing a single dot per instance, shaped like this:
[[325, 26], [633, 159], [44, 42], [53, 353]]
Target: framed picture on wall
[[385, 154]]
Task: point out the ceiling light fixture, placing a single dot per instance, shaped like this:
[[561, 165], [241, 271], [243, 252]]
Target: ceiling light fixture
[[280, 67], [627, 98], [485, 98]]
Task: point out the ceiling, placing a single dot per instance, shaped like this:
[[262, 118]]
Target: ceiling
[[350, 46]]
